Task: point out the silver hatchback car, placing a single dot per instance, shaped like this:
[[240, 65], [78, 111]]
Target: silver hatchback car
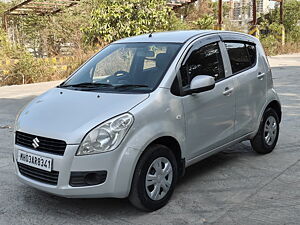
[[131, 119]]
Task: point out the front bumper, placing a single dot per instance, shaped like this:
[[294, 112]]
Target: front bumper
[[119, 165]]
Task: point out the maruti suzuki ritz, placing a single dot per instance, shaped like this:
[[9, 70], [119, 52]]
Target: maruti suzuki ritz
[[131, 119]]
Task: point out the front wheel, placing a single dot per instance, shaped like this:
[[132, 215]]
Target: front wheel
[[265, 140], [154, 178]]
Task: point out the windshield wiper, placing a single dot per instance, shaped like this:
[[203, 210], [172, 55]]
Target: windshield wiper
[[97, 85], [88, 85], [126, 86]]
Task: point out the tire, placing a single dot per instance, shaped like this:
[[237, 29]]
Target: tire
[[262, 143], [162, 190]]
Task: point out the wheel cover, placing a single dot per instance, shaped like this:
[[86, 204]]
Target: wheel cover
[[270, 130], [159, 178]]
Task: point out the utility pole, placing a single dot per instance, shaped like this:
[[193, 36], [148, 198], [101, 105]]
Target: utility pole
[[254, 13], [281, 12], [220, 16], [254, 29], [5, 21], [281, 22], [219, 25]]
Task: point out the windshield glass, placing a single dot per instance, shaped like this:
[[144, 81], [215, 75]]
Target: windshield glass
[[133, 67]]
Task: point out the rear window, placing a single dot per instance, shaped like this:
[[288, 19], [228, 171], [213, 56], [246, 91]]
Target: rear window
[[242, 55]]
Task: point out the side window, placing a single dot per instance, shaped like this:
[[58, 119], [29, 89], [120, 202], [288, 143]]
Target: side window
[[241, 55], [252, 53], [204, 61]]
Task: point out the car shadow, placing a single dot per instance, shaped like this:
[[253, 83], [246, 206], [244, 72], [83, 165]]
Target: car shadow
[[215, 162]]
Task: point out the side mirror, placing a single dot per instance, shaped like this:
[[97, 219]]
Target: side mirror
[[201, 83]]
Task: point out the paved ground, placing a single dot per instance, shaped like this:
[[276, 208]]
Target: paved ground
[[233, 187]]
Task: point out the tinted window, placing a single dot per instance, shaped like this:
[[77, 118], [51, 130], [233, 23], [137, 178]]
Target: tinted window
[[252, 53], [205, 61], [242, 56]]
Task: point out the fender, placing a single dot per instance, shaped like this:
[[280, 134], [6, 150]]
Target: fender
[[129, 158], [270, 97], [151, 121]]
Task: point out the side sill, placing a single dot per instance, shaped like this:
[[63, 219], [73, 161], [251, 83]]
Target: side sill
[[218, 149]]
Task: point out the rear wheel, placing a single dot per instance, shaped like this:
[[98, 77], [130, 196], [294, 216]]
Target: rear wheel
[[266, 139], [154, 178]]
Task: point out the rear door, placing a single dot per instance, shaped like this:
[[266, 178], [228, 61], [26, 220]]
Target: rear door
[[250, 82]]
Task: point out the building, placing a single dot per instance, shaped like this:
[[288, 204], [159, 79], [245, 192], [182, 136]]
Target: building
[[236, 10], [241, 11], [263, 6]]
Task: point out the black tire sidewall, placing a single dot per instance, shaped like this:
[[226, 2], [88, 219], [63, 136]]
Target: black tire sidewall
[[146, 160], [269, 112]]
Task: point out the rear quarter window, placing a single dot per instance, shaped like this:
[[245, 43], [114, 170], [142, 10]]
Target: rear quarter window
[[241, 55]]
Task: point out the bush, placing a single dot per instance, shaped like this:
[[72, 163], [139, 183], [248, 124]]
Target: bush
[[25, 68], [294, 35], [271, 44]]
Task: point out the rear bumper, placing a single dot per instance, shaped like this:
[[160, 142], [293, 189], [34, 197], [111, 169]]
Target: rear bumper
[[119, 165]]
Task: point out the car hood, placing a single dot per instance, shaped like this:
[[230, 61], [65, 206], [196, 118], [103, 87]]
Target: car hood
[[69, 114]]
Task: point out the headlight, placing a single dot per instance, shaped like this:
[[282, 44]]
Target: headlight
[[107, 136]]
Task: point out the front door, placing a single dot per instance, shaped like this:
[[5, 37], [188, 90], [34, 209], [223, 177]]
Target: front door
[[209, 115]]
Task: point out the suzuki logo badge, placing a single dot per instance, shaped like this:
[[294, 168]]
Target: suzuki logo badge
[[36, 142]]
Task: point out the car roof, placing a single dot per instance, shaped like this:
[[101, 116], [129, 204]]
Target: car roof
[[169, 36], [181, 36]]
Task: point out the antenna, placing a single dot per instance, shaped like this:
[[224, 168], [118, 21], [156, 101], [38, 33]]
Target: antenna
[[150, 35]]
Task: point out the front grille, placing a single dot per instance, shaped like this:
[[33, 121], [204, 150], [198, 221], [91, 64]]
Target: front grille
[[47, 145], [39, 175]]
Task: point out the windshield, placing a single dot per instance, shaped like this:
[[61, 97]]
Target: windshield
[[133, 67]]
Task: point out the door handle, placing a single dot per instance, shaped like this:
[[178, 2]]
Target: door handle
[[261, 75], [227, 91]]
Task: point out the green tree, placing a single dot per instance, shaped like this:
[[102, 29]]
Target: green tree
[[25, 68], [205, 22], [270, 40], [50, 34], [291, 15], [3, 7], [115, 19], [272, 29]]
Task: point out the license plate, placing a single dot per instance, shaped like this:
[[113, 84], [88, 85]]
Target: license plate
[[36, 161]]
